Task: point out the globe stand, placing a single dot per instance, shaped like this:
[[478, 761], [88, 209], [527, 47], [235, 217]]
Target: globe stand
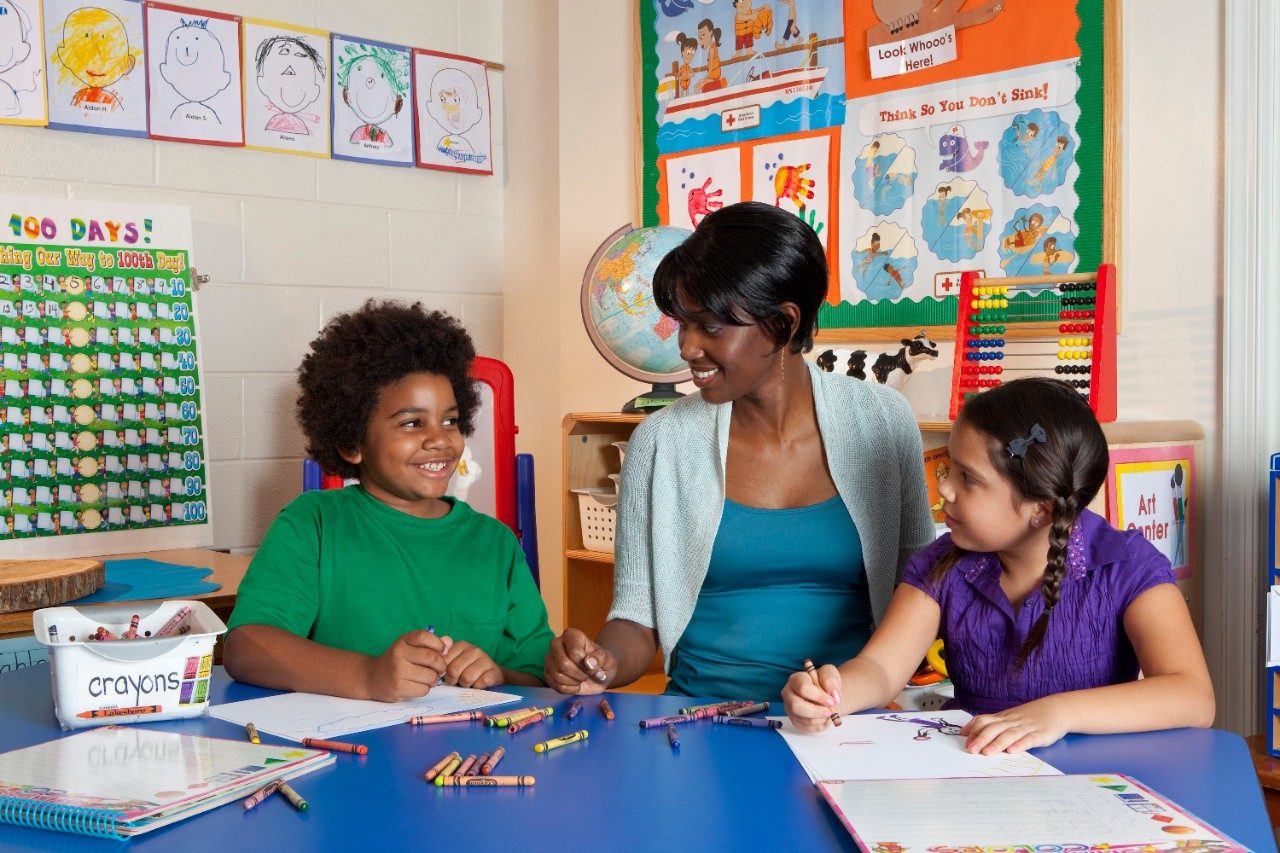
[[662, 394]]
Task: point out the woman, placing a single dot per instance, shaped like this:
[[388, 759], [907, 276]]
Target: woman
[[764, 519]]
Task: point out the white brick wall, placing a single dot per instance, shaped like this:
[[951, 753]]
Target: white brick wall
[[290, 241]]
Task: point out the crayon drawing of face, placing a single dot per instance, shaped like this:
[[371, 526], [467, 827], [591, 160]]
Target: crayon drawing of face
[[194, 64], [14, 31], [95, 48], [374, 83], [290, 72], [453, 101]]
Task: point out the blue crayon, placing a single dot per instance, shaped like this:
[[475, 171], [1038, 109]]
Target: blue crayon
[[750, 722], [671, 736]]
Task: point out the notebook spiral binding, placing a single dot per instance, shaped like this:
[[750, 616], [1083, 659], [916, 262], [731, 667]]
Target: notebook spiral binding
[[99, 823]]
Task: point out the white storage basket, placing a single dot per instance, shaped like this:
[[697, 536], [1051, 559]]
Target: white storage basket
[[598, 510]]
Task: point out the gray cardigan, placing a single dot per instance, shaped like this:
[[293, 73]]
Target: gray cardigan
[[672, 496]]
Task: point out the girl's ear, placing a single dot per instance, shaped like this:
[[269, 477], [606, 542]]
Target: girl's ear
[[1042, 514]]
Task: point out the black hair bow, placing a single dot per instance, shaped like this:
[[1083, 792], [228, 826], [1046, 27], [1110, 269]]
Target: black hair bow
[[1018, 447]]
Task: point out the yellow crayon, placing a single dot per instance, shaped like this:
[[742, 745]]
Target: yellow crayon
[[453, 765], [556, 743], [252, 731], [440, 766], [505, 719]]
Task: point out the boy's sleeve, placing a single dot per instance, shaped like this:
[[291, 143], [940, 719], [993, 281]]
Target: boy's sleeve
[[281, 587], [526, 638]]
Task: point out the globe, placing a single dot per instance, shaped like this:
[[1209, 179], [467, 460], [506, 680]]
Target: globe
[[621, 317]]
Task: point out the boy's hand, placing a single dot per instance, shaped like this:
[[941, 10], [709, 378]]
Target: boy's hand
[[1037, 723], [575, 664], [808, 705], [409, 668], [469, 666]]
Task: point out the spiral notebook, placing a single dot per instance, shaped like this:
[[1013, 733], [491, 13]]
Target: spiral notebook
[[119, 781]]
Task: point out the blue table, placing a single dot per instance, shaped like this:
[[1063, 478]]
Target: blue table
[[623, 789]]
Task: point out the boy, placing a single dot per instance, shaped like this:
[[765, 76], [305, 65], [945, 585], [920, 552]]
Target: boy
[[338, 598]]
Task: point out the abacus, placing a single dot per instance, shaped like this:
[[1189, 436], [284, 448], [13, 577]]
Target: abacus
[[1060, 326]]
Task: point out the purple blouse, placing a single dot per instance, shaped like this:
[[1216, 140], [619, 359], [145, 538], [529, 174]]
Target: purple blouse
[[1085, 644]]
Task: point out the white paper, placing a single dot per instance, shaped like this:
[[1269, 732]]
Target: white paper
[[97, 71], [372, 101], [193, 76], [286, 92], [1051, 813], [299, 715], [901, 745]]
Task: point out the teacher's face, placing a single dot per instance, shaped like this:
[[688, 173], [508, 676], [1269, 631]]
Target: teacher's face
[[727, 361]]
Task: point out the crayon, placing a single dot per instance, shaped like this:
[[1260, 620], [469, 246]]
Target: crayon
[[574, 710], [132, 633], [672, 737], [335, 745], [262, 793], [252, 730], [165, 630], [475, 768], [440, 765], [691, 708], [119, 712], [294, 798], [605, 709], [454, 762], [465, 716], [492, 761], [556, 743], [466, 765], [505, 720], [103, 634], [813, 673], [532, 719], [747, 710], [753, 722], [490, 782], [513, 719], [658, 722]]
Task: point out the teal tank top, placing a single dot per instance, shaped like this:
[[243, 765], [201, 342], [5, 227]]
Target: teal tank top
[[783, 585]]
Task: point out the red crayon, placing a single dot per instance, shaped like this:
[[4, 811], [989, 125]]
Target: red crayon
[[132, 633], [492, 762], [262, 793], [475, 768], [526, 722], [335, 745], [119, 712]]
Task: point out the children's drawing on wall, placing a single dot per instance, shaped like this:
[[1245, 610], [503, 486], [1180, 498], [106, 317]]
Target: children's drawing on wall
[[287, 88], [97, 75], [372, 102], [697, 184], [884, 261], [22, 84], [454, 126], [193, 75], [884, 174], [955, 220], [794, 174], [1035, 152], [1038, 240], [739, 70]]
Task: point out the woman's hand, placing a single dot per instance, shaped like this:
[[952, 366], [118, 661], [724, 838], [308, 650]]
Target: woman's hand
[[576, 664], [809, 706], [1018, 729]]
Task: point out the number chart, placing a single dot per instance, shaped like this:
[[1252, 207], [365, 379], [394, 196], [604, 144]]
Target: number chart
[[101, 432]]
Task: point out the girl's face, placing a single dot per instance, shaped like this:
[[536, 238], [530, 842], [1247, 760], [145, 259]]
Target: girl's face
[[704, 37], [982, 509], [727, 361], [411, 445], [687, 51]]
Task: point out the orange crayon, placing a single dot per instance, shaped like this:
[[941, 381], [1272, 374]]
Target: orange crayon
[[335, 745], [493, 761], [262, 793], [813, 673], [490, 782], [440, 766], [605, 709], [119, 712]]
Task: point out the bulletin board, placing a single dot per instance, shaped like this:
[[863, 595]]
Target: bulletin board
[[101, 433], [951, 136]]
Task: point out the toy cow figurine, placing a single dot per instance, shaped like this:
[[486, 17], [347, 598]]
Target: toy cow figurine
[[890, 369]]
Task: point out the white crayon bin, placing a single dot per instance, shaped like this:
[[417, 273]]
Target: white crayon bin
[[101, 682]]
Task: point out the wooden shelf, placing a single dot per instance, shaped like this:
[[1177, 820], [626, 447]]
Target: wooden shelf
[[587, 554]]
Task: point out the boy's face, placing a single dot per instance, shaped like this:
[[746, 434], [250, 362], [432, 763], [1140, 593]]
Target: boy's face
[[411, 445]]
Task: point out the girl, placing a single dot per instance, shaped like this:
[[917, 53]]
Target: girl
[[1048, 613]]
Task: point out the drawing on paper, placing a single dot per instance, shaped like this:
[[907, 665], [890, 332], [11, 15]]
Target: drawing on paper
[[95, 52], [374, 82], [453, 103], [195, 66], [291, 77], [15, 47]]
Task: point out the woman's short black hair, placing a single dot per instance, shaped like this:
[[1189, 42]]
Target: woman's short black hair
[[358, 354], [742, 263]]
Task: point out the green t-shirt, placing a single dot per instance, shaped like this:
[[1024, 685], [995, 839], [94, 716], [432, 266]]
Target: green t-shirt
[[344, 569]]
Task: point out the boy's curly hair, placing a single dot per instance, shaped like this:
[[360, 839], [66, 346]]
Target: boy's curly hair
[[358, 354]]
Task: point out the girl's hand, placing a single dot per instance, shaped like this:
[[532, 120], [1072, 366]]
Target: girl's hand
[[1037, 723], [808, 705]]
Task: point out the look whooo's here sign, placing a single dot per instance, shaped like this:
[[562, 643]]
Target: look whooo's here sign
[[1149, 490]]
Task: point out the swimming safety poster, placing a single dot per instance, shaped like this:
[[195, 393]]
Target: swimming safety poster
[[919, 141], [100, 406]]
